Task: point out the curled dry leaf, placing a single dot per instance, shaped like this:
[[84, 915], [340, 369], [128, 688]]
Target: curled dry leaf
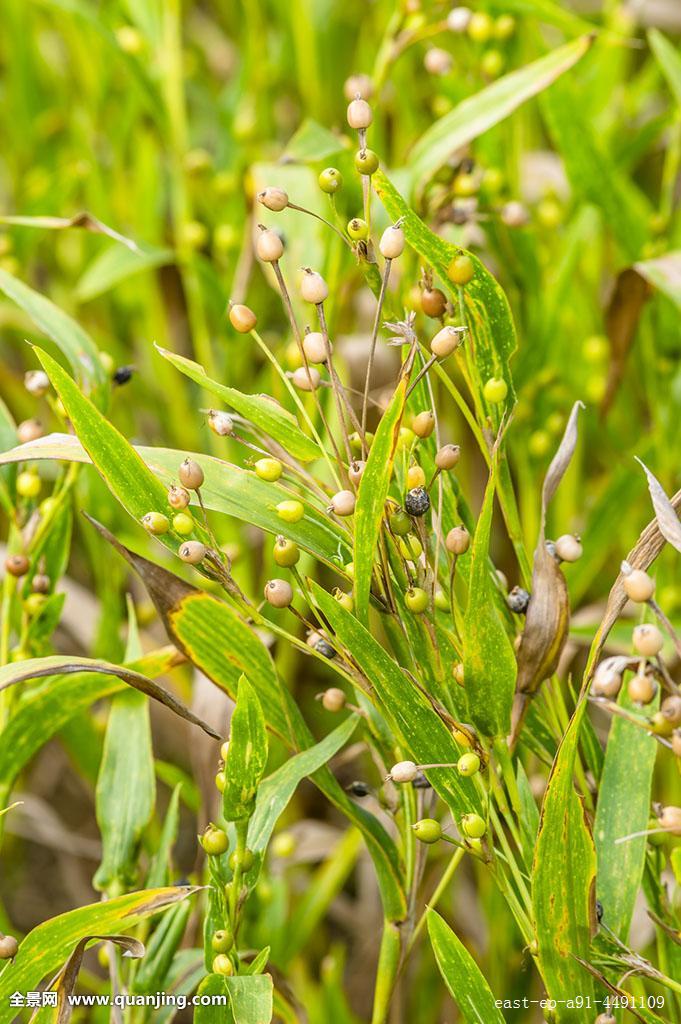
[[80, 220], [629, 296], [65, 981], [665, 513], [548, 613]]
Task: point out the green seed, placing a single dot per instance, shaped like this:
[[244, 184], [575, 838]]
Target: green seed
[[28, 484], [416, 600], [222, 940], [495, 390], [330, 180], [366, 161], [400, 523], [427, 830], [223, 965], [183, 524], [357, 229], [286, 552], [156, 523], [214, 841], [246, 860], [473, 826], [268, 469], [290, 511], [460, 271], [468, 764]]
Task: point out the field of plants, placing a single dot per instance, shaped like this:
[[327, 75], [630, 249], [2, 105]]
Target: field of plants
[[340, 420]]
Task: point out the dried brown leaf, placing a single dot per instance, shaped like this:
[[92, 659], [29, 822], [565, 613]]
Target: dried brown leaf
[[560, 461], [665, 513], [629, 296], [80, 220]]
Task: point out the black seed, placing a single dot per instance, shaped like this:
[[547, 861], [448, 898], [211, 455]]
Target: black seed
[[599, 911], [421, 782], [324, 647], [417, 501], [123, 374], [358, 789], [518, 600]]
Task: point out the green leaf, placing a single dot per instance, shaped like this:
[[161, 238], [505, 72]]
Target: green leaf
[[228, 489], [36, 668], [416, 724], [276, 790], [487, 307], [623, 808], [48, 946], [669, 59], [545, 11], [373, 490], [663, 273], [161, 948], [250, 998], [488, 658], [312, 142], [247, 755], [493, 104], [74, 342], [588, 166], [43, 711], [115, 264], [159, 871], [461, 974], [269, 416], [563, 884]]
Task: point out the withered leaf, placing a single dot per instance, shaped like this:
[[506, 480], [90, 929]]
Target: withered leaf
[[665, 513], [80, 220], [65, 981], [629, 296], [560, 461]]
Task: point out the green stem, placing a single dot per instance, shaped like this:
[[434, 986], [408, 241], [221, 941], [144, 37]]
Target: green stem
[[388, 967]]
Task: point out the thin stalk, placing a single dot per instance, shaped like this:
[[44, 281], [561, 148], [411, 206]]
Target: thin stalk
[[337, 388], [374, 337], [311, 213], [446, 878]]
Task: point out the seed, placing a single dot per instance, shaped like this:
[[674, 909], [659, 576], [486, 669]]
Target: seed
[[405, 439], [343, 503], [492, 63], [448, 456], [8, 947], [458, 673], [358, 85], [178, 497], [647, 640], [480, 27], [676, 742], [468, 764], [671, 709], [269, 246], [290, 511], [242, 318], [446, 341], [460, 271], [466, 185], [29, 430], [415, 477], [669, 818], [427, 830], [437, 61], [366, 162], [278, 593], [403, 771], [36, 382], [224, 750], [34, 604], [316, 347], [330, 180], [355, 470], [194, 234], [220, 782], [333, 699], [504, 26], [416, 600], [222, 941], [417, 501], [514, 215], [268, 469], [222, 965], [156, 523], [607, 681], [642, 688], [344, 600], [473, 826], [458, 19], [40, 584], [638, 585], [410, 547], [441, 600], [221, 423], [568, 548], [433, 303], [357, 229], [183, 524], [285, 552], [458, 540], [17, 565], [605, 1018], [660, 725], [122, 375], [313, 287], [192, 551], [360, 115], [518, 600], [306, 378], [214, 841], [246, 860], [190, 474], [423, 423], [356, 442], [273, 198], [392, 242], [495, 390], [28, 484], [400, 523]]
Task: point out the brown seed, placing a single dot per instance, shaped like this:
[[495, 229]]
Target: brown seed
[[29, 430], [448, 456], [355, 470], [8, 947], [178, 497], [221, 423], [269, 246], [190, 474], [458, 540], [568, 548], [343, 503], [40, 584], [192, 551], [316, 347], [642, 688], [278, 593], [423, 423], [313, 287], [359, 114], [273, 198], [607, 681], [671, 709], [446, 341], [17, 565], [669, 818], [638, 585], [647, 640], [36, 382], [333, 699], [242, 318], [358, 85], [433, 303], [676, 742], [306, 378]]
